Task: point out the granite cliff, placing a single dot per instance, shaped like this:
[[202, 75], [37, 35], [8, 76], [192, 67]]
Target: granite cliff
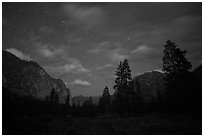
[[150, 84], [27, 78]]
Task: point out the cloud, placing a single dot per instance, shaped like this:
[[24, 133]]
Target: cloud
[[105, 66], [86, 15], [46, 52], [19, 54], [113, 51], [115, 55], [142, 48], [66, 68], [59, 61], [50, 50], [81, 82], [95, 51], [105, 45]]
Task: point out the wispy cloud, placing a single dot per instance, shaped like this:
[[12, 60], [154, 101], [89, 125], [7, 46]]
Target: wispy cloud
[[142, 48], [116, 55], [49, 52], [81, 82], [66, 68], [46, 52], [48, 49], [113, 51], [59, 60], [19, 54], [105, 66]]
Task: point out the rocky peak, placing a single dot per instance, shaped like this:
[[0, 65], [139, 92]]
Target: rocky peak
[[150, 83], [29, 78]]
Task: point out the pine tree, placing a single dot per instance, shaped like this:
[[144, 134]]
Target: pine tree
[[174, 60], [123, 77], [67, 101], [67, 104], [105, 100], [177, 67], [123, 88]]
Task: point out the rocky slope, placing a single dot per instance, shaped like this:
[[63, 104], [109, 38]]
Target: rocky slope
[[150, 84], [27, 78]]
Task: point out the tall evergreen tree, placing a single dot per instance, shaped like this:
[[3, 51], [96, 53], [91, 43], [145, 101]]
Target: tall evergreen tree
[[123, 77], [88, 107], [67, 104], [105, 100], [177, 67], [67, 101], [174, 60], [123, 88]]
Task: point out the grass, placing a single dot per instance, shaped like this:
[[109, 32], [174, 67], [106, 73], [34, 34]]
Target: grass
[[151, 124]]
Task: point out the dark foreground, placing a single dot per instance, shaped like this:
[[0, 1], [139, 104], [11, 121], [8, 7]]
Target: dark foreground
[[151, 124]]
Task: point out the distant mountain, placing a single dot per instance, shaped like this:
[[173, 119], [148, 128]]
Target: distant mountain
[[80, 99], [27, 78], [149, 84]]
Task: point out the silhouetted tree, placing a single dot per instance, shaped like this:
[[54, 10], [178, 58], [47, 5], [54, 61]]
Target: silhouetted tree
[[105, 100], [67, 101], [88, 108], [123, 76], [174, 60], [67, 104], [178, 87], [124, 92]]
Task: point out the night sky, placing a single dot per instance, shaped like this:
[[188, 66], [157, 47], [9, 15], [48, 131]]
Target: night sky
[[82, 43]]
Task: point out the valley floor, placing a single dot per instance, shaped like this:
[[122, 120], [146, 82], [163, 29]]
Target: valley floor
[[151, 124]]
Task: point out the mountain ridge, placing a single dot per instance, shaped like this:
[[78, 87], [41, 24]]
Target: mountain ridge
[[151, 84], [29, 78]]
